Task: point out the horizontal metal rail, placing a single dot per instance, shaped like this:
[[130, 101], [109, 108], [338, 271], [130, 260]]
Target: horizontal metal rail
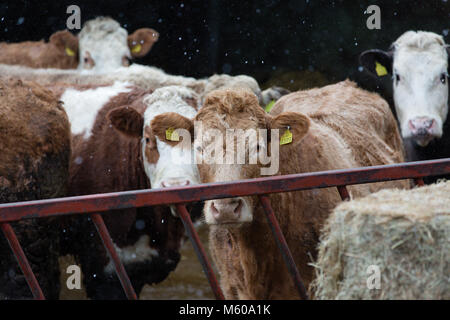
[[176, 195], [92, 204]]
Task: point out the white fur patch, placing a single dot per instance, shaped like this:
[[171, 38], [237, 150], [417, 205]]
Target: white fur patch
[[82, 106], [139, 252]]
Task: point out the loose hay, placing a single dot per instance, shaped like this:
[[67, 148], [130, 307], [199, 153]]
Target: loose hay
[[405, 233]]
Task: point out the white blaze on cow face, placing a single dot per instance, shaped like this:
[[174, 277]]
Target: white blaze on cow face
[[175, 165], [420, 85]]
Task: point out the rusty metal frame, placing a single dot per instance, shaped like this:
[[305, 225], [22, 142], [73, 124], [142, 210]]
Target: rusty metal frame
[[179, 196]]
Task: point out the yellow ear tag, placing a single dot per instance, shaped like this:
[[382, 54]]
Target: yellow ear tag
[[70, 52], [269, 106], [380, 69], [172, 135], [136, 49], [286, 138]]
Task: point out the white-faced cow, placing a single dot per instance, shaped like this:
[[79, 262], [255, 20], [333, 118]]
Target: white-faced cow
[[241, 243], [418, 63], [105, 46], [115, 148], [101, 46]]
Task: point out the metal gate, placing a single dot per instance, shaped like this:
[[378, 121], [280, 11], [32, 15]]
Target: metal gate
[[180, 196]]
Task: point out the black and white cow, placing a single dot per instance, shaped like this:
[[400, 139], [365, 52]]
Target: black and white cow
[[418, 63]]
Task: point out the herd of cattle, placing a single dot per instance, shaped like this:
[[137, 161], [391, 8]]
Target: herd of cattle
[[101, 126]]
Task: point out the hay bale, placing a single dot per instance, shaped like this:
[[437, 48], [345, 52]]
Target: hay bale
[[405, 233]]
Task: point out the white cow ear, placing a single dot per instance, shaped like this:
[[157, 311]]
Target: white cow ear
[[377, 62], [127, 121]]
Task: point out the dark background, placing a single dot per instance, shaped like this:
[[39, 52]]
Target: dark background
[[294, 43]]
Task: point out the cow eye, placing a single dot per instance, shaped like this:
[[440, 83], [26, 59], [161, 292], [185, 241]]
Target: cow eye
[[147, 140], [397, 78], [443, 78]]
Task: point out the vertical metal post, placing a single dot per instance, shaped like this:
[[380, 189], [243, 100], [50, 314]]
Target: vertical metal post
[[419, 182], [343, 192], [109, 246], [201, 254], [283, 246], [23, 261]]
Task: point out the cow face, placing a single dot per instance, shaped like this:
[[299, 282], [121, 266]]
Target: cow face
[[105, 46], [167, 161], [231, 123], [418, 64]]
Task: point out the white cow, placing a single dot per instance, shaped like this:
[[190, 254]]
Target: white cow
[[418, 62]]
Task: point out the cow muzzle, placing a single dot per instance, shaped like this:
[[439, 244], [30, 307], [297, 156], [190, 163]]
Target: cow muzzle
[[226, 211], [423, 130]]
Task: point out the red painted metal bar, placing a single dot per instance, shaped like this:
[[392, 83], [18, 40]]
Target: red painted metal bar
[[23, 261], [201, 254], [109, 246], [273, 184], [343, 192], [283, 246]]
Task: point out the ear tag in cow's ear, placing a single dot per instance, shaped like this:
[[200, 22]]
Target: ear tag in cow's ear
[[172, 135], [380, 69], [286, 138], [136, 49], [269, 106], [70, 52]]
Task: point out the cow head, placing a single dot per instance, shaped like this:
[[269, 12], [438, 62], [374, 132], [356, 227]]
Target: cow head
[[232, 123], [167, 161], [418, 63], [105, 46]]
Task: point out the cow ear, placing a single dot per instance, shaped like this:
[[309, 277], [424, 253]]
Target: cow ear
[[292, 126], [141, 41], [165, 126], [65, 41], [127, 121], [377, 62]]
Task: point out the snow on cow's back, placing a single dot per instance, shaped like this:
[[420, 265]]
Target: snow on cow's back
[[82, 106]]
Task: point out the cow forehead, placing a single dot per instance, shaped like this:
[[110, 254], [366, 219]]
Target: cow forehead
[[168, 99], [428, 62]]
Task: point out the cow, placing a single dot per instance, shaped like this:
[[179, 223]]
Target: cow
[[34, 164], [105, 46], [101, 46], [241, 243], [61, 51], [115, 149], [147, 77], [418, 64]]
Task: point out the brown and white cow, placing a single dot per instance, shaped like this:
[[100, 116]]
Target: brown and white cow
[[241, 243], [115, 149], [61, 51], [101, 46], [418, 64], [34, 164], [105, 46]]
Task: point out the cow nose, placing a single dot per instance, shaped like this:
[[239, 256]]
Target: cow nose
[[175, 182], [226, 210], [422, 126]]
